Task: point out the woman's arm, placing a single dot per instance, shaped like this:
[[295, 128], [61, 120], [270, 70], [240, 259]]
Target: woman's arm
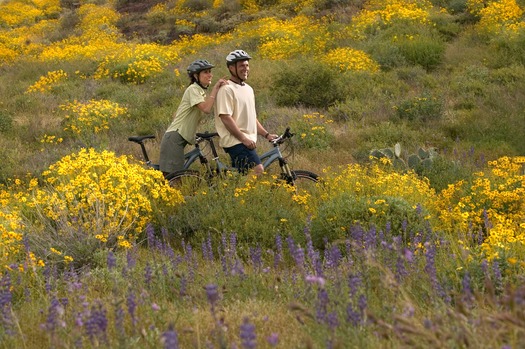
[[207, 106]]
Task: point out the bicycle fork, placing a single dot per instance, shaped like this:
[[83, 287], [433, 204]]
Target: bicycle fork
[[286, 172]]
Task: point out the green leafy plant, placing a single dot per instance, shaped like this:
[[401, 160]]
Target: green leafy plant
[[305, 83]]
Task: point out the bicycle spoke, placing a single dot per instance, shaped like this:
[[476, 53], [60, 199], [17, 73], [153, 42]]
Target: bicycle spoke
[[189, 182], [305, 181]]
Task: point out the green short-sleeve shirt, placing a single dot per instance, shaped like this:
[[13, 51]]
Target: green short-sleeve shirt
[[188, 115]]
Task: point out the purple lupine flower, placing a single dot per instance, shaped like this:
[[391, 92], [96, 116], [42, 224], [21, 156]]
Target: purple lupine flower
[[388, 227], [362, 304], [148, 275], [131, 303], [370, 237], [404, 225], [401, 271], [409, 255], [352, 316], [430, 269], [233, 244], [119, 320], [238, 267], [96, 323], [256, 257], [291, 245], [224, 263], [183, 286], [204, 249], [322, 305], [315, 280], [248, 337], [130, 259], [299, 257], [498, 280], [273, 339], [6, 298], [310, 251], [54, 320], [334, 257], [354, 282], [484, 267], [170, 338], [111, 260], [467, 290], [212, 294], [150, 236], [332, 320]]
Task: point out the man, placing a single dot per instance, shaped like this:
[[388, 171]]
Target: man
[[236, 117]]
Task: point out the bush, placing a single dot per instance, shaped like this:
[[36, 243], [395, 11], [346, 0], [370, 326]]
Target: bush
[[308, 84], [312, 131], [255, 209], [93, 200], [393, 215], [372, 196], [6, 121], [426, 51], [423, 108], [403, 44]]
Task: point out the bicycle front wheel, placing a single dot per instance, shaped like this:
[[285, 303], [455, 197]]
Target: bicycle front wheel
[[189, 182], [305, 181]]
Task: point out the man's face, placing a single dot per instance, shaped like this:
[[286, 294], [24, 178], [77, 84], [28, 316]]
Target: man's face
[[242, 68]]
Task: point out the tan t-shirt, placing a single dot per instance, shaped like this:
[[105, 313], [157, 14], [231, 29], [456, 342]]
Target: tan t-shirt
[[239, 102], [187, 117]]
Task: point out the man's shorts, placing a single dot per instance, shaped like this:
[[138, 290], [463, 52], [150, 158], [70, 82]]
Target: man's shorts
[[242, 157]]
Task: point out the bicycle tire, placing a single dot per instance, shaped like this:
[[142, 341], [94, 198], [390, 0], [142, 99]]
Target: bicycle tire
[[189, 182], [305, 181]]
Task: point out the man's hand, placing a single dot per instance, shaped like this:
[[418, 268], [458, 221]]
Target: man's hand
[[249, 143], [271, 137]]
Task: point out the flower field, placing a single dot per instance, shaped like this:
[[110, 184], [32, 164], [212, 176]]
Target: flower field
[[395, 247]]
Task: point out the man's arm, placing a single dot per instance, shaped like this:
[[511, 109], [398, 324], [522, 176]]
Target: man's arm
[[232, 127], [262, 131]]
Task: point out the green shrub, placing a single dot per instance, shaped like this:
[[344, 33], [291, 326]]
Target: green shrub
[[256, 210], [308, 84], [6, 121], [337, 216], [197, 5], [444, 172], [421, 108], [426, 51], [508, 51], [388, 56], [406, 43], [312, 131]]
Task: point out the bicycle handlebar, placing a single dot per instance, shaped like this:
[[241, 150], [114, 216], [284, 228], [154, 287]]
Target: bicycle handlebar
[[280, 140]]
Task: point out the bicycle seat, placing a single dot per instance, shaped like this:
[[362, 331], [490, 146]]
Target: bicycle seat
[[139, 139], [207, 135]]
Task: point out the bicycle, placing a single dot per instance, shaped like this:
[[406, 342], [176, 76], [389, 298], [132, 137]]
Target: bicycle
[[189, 180]]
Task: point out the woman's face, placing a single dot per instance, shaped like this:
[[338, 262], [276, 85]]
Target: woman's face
[[205, 76]]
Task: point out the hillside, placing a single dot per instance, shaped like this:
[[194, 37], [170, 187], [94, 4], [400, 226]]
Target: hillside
[[349, 76]]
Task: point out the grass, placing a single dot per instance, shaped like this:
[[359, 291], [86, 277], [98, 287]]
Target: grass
[[375, 258]]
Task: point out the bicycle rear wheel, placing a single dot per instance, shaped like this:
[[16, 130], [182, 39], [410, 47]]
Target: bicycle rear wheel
[[189, 182], [304, 181]]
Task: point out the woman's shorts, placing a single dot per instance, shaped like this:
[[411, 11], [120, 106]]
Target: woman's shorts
[[172, 152]]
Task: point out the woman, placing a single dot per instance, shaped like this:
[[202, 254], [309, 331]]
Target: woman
[[194, 106]]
